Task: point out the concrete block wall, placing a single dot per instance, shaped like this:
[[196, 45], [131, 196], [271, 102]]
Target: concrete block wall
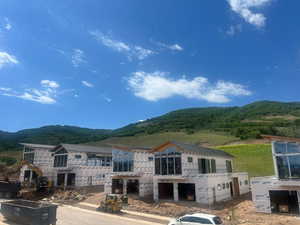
[[44, 160], [191, 168], [260, 187]]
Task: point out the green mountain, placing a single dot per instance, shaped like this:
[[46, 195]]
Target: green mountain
[[51, 135], [249, 121], [226, 123]]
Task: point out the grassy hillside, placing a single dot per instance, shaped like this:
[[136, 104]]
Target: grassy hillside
[[151, 140], [256, 159], [249, 121]]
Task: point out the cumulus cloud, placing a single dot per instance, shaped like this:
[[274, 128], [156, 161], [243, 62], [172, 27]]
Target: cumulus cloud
[[7, 59], [245, 9], [78, 57], [157, 85], [45, 95], [87, 84], [131, 51]]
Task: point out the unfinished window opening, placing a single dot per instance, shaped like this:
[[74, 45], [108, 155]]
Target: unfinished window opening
[[27, 175], [166, 191], [71, 179], [204, 166], [228, 166], [99, 160], [60, 160], [60, 179], [284, 202], [117, 186], [28, 155], [122, 161], [168, 162], [186, 192], [133, 187]]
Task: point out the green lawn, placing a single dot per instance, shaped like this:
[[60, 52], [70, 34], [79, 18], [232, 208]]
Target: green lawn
[[256, 159], [202, 137]]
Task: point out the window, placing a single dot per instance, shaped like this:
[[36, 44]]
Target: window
[[219, 187], [168, 162], [241, 183], [77, 156], [280, 147], [293, 148], [227, 185], [29, 156], [246, 182], [150, 158], [190, 159], [186, 219], [201, 220], [282, 166], [98, 160], [213, 166], [228, 166], [287, 160], [122, 161], [205, 166], [60, 160], [294, 166], [223, 186]]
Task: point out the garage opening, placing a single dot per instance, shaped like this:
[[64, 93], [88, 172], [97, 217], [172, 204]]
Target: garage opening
[[284, 202], [117, 186], [186, 192], [165, 191], [133, 187]]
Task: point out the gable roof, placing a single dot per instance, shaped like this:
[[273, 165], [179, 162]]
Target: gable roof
[[84, 148], [29, 145], [130, 148], [193, 148]]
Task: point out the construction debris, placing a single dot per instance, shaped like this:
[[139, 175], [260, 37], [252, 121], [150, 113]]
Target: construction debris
[[68, 196]]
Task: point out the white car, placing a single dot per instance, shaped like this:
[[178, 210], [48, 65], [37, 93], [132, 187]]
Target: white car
[[197, 219]]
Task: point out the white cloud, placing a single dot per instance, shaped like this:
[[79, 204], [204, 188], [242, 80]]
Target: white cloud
[[49, 84], [174, 47], [6, 59], [7, 25], [87, 84], [156, 86], [45, 95], [131, 51], [245, 9], [78, 57]]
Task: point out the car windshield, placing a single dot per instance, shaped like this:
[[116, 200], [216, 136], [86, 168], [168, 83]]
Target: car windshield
[[217, 220]]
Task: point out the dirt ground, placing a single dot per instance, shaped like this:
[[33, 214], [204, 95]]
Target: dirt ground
[[238, 211]]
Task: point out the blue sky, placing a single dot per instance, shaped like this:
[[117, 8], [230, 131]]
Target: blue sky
[[104, 64]]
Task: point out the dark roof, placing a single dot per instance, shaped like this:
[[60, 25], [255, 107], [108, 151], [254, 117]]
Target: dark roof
[[195, 148], [130, 148], [29, 145], [84, 148]]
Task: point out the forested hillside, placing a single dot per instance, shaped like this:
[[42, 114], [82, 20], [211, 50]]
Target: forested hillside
[[228, 123]]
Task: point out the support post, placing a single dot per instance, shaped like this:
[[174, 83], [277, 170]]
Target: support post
[[175, 191]]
